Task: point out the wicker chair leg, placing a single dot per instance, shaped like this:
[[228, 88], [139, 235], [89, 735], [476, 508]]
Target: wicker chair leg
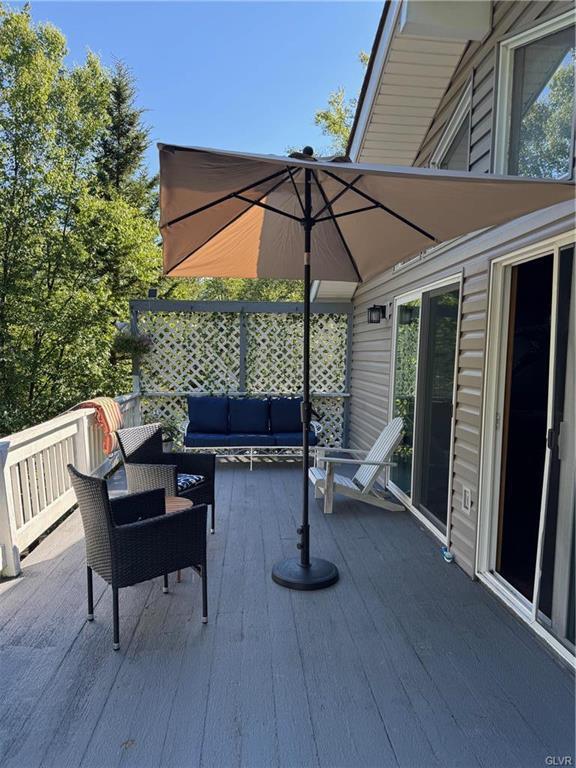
[[165, 587], [204, 595], [90, 593], [212, 517], [116, 619]]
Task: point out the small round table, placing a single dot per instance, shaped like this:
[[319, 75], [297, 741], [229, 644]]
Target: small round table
[[177, 504]]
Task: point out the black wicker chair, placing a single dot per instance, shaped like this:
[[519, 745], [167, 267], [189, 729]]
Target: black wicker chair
[[190, 475], [130, 539]]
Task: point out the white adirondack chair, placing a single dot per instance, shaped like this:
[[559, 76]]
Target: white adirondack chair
[[362, 485]]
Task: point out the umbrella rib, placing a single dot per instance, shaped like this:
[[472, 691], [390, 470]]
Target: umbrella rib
[[378, 204], [339, 195], [296, 189], [230, 196], [346, 213], [267, 207], [228, 224], [344, 243]]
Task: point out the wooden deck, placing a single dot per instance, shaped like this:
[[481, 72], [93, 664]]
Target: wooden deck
[[406, 662]]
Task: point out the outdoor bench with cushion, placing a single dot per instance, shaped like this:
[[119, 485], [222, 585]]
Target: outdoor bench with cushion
[[252, 422]]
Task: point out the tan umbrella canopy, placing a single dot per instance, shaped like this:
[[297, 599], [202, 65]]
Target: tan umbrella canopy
[[225, 214], [219, 212]]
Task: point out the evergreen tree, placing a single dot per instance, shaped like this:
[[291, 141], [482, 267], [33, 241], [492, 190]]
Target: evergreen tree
[[122, 146]]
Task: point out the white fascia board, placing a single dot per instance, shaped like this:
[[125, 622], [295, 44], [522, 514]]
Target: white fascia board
[[375, 76]]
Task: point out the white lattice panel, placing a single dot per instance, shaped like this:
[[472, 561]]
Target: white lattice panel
[[274, 356], [196, 351], [200, 352]]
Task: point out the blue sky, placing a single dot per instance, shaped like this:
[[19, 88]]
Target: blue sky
[[236, 75]]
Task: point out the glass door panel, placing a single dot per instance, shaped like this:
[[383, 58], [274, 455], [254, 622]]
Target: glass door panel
[[524, 421], [556, 593], [435, 396], [405, 370]]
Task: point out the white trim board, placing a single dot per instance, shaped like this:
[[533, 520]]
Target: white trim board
[[453, 125]]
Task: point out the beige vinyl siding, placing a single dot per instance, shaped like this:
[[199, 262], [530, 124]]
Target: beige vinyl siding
[[479, 64], [372, 344], [371, 358], [372, 350]]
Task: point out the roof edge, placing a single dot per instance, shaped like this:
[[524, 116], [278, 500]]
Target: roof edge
[[368, 74]]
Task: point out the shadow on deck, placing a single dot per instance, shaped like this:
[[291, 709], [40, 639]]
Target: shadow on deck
[[404, 662]]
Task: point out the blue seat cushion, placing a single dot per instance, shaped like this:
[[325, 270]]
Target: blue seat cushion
[[294, 438], [250, 440], [208, 414], [205, 440], [285, 414], [186, 482], [249, 416]]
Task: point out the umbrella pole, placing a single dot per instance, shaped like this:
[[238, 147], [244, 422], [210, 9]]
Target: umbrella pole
[[306, 573]]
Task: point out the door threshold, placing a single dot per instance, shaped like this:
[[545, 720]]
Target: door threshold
[[497, 587]]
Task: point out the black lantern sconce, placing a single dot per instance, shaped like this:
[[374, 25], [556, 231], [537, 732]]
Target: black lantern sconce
[[152, 293], [376, 313]]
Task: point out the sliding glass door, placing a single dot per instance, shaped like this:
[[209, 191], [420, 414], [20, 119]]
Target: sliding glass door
[[424, 368], [528, 527]]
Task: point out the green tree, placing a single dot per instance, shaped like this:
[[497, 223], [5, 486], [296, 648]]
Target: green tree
[[336, 119], [70, 259], [121, 149], [545, 134]]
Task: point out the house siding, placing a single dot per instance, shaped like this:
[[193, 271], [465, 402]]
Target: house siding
[[372, 344], [478, 64]]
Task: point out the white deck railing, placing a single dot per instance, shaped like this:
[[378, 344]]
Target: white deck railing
[[35, 489]]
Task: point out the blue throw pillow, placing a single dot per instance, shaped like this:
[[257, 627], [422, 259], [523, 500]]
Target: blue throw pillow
[[208, 414], [249, 415], [285, 414]]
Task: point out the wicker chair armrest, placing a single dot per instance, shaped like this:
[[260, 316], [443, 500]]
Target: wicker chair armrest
[[149, 548], [138, 506], [193, 463], [147, 477]]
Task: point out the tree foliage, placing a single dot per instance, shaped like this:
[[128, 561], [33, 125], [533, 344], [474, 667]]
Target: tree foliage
[[336, 119], [121, 147], [546, 129], [72, 254]]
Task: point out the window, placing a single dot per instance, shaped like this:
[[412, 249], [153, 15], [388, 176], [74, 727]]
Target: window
[[425, 335], [456, 158], [452, 151], [536, 103]]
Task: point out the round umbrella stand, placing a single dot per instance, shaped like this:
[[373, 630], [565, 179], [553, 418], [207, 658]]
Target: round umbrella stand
[[317, 575]]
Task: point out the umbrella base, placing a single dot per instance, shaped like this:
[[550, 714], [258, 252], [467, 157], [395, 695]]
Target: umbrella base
[[318, 575]]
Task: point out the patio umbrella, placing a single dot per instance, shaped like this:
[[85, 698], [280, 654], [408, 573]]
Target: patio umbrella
[[227, 214]]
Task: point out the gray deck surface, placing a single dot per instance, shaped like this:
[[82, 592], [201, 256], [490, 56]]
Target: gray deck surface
[[405, 662]]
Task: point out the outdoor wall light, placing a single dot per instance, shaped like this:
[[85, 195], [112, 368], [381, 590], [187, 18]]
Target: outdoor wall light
[[152, 293], [376, 313]]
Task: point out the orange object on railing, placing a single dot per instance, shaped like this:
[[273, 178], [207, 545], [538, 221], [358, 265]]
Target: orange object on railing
[[108, 418]]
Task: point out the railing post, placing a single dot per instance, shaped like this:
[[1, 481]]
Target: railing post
[[9, 553], [136, 381], [85, 461]]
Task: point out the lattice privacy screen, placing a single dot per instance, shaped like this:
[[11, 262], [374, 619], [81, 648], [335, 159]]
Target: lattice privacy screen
[[237, 352]]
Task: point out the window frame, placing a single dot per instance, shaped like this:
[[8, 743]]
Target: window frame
[[463, 110], [505, 75]]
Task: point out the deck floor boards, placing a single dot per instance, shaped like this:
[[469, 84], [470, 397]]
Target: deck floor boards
[[405, 662]]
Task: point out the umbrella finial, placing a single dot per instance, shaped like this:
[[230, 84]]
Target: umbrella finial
[[308, 151]]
